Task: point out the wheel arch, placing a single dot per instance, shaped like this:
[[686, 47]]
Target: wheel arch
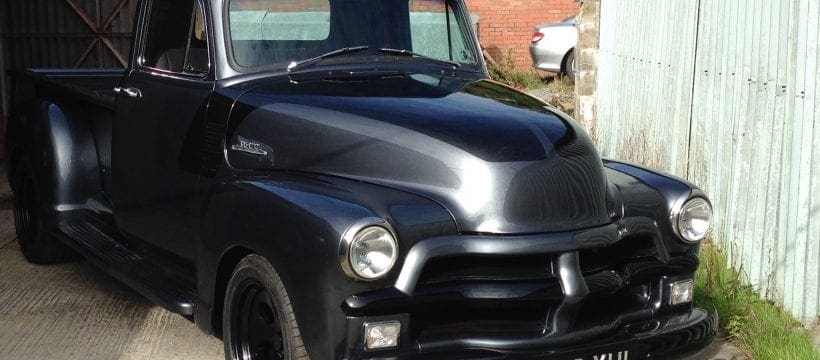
[[62, 149], [296, 222], [227, 263]]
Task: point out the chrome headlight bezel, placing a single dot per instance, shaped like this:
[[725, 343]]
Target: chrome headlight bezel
[[685, 204], [350, 238]]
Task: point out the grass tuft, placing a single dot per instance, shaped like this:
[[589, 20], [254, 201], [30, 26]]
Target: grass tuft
[[561, 93], [505, 71], [556, 89], [760, 328]]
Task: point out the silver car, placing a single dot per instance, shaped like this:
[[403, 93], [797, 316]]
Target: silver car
[[553, 46]]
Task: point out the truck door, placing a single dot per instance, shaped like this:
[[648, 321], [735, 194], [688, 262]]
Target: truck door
[[161, 102]]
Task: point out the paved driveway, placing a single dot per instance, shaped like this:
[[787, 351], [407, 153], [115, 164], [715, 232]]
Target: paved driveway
[[74, 311]]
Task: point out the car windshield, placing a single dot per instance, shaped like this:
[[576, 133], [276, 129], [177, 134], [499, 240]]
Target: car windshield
[[278, 33]]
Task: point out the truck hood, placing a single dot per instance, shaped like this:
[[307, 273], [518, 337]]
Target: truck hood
[[499, 160]]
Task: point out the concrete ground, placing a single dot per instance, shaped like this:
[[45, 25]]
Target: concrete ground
[[74, 311]]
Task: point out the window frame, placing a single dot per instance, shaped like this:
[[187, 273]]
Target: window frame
[[451, 11], [143, 41], [227, 38], [456, 6]]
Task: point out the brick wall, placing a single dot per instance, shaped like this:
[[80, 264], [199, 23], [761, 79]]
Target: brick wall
[[508, 24]]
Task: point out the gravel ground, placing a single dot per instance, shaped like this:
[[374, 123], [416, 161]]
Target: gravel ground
[[541, 93], [557, 93]]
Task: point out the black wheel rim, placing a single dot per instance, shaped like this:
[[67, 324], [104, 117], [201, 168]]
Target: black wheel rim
[[256, 327], [25, 212]]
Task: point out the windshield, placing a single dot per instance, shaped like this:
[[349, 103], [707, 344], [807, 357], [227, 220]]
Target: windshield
[[276, 33]]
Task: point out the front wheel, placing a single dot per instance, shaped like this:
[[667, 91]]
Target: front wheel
[[258, 321]]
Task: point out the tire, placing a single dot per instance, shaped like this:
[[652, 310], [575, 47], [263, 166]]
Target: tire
[[568, 69], [258, 321], [38, 245]]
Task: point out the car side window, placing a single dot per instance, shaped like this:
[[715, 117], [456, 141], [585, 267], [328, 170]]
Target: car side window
[[176, 38]]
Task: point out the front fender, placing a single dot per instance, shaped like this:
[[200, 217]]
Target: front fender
[[648, 193], [296, 222]]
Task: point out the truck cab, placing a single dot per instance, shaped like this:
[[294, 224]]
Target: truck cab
[[340, 179]]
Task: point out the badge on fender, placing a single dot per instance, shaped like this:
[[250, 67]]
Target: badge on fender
[[250, 147]]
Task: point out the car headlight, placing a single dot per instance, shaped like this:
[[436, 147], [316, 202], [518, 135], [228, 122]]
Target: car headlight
[[691, 221], [368, 252]]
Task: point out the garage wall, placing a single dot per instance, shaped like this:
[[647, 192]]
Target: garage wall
[[725, 93], [3, 91], [67, 33], [62, 33]]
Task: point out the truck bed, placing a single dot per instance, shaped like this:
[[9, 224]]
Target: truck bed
[[91, 90], [94, 85]]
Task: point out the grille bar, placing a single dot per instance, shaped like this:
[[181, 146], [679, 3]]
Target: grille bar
[[568, 269]]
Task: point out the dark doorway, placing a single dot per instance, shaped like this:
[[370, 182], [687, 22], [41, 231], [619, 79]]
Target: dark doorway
[[62, 34]]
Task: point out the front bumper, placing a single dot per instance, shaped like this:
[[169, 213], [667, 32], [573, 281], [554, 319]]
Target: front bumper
[[571, 295], [673, 336]]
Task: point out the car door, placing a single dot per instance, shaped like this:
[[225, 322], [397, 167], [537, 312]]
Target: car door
[[161, 102]]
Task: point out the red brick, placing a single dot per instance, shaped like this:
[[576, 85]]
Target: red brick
[[506, 25]]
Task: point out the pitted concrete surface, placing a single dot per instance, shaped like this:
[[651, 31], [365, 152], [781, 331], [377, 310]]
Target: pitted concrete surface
[[75, 311], [721, 349]]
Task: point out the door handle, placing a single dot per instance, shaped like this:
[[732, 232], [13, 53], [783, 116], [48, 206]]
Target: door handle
[[129, 91]]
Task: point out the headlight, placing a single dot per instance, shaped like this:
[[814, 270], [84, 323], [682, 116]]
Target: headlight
[[693, 219], [368, 252]]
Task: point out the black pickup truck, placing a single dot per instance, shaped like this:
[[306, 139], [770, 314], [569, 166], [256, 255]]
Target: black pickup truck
[[339, 179]]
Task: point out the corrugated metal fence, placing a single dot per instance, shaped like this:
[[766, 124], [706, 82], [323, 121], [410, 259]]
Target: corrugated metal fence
[[725, 94]]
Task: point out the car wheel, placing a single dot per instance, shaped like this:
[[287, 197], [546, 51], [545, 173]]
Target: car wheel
[[258, 321], [36, 243], [569, 66]]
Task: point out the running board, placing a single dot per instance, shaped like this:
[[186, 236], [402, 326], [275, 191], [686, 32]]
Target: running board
[[141, 274]]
